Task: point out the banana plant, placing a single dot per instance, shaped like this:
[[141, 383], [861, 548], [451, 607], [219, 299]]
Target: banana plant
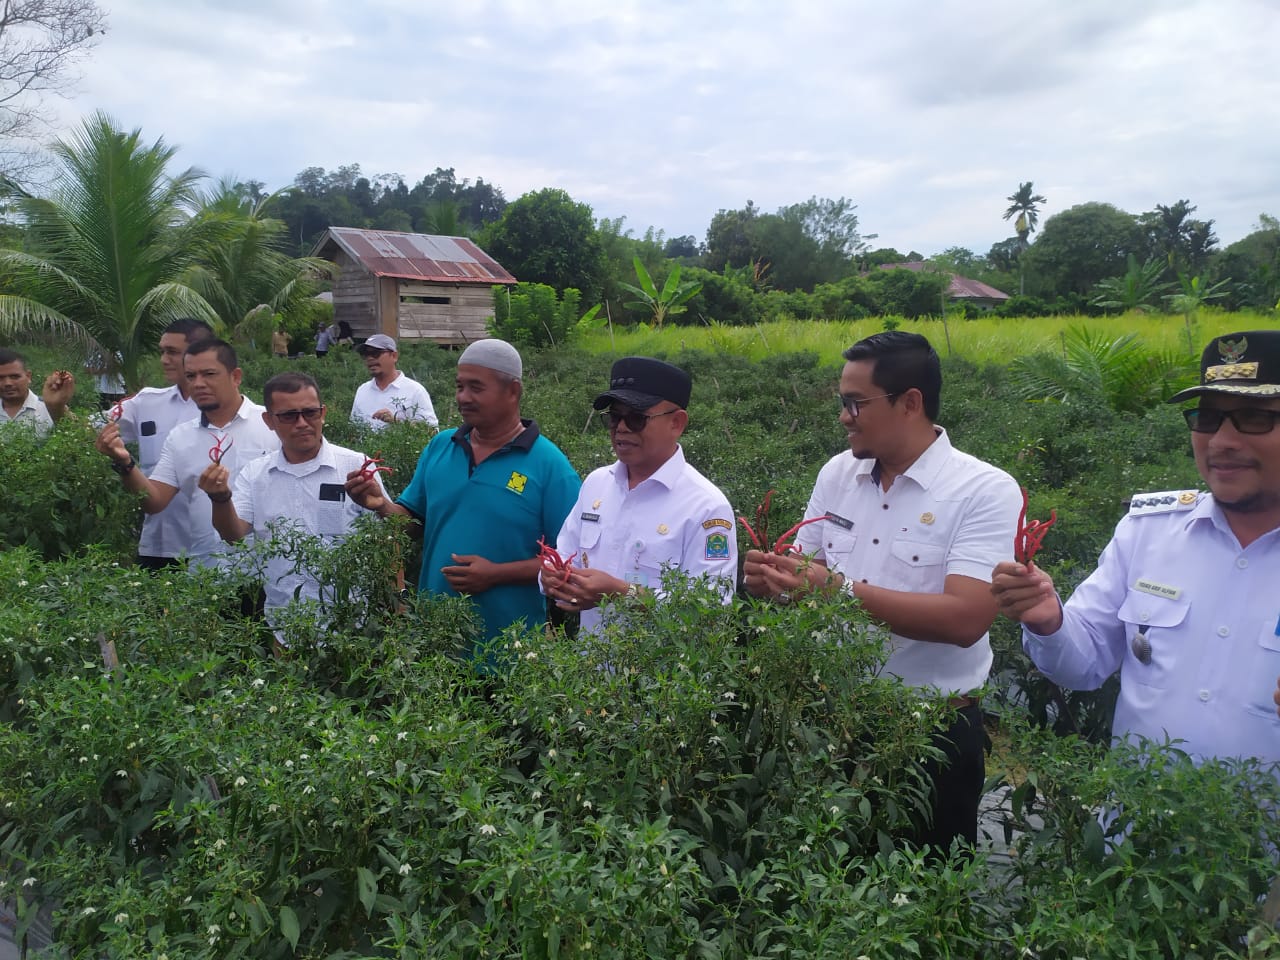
[[667, 302]]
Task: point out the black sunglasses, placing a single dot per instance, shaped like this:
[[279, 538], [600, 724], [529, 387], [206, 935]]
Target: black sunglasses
[[1245, 419], [634, 419], [312, 414]]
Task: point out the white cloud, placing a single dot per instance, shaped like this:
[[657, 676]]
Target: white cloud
[[926, 113]]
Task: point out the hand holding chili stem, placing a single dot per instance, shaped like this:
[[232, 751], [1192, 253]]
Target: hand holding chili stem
[[1030, 535], [219, 450], [215, 480], [371, 467], [111, 444]]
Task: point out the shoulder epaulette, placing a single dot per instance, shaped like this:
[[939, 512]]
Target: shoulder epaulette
[[1168, 501]]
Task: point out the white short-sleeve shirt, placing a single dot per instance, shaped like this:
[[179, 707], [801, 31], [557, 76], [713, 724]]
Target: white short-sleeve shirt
[[310, 497], [948, 514], [146, 419], [33, 413], [1206, 609], [185, 456], [403, 396], [677, 518]]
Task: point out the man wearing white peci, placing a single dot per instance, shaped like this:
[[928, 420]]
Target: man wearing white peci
[[390, 395]]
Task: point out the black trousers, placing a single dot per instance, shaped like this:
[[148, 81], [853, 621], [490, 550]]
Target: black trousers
[[956, 782]]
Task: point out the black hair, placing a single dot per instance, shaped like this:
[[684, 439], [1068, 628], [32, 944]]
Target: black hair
[[289, 382], [191, 328], [902, 361], [226, 352], [12, 356]]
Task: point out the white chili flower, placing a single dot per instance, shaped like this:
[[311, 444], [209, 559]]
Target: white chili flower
[[835, 811], [122, 774], [88, 911], [85, 726], [901, 900], [551, 754], [22, 583], [728, 695], [804, 848], [259, 683], [241, 781], [401, 735], [272, 807], [308, 789], [537, 795], [662, 869], [405, 869], [219, 843], [586, 804], [488, 829], [288, 764], [29, 882], [122, 918], [373, 738]]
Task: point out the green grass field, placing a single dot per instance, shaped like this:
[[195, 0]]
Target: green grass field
[[987, 340]]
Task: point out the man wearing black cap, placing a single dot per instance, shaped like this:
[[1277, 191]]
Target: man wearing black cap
[[1184, 600], [650, 509], [389, 395]]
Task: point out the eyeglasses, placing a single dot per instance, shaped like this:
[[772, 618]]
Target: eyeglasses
[[634, 419], [1244, 419], [312, 414], [851, 404]]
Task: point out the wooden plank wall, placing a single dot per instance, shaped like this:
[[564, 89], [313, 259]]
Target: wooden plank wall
[[354, 293], [463, 319]]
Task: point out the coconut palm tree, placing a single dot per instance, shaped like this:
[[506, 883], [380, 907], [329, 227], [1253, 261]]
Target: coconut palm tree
[[108, 248], [246, 268], [1024, 203]]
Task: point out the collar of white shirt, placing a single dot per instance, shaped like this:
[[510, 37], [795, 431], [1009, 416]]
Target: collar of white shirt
[[668, 474], [324, 458], [923, 471]]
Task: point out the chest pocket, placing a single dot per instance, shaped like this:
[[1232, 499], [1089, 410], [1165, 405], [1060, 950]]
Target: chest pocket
[[1163, 647], [917, 565], [589, 534], [838, 545], [331, 518]]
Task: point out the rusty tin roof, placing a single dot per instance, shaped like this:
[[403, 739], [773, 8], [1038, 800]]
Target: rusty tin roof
[[414, 256], [959, 288]]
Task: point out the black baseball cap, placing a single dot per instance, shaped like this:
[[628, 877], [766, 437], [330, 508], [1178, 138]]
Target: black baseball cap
[[1240, 364], [641, 382]]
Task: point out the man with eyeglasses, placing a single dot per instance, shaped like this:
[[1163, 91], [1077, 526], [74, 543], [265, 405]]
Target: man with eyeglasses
[[650, 509], [911, 528], [1185, 602], [389, 395], [302, 484], [228, 427]]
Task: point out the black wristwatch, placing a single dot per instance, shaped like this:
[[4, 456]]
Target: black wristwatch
[[124, 468]]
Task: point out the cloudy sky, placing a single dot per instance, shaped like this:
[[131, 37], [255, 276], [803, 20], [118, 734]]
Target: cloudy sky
[[926, 114]]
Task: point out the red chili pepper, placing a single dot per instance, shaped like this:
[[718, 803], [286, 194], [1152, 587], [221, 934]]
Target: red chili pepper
[[219, 449], [118, 410], [1030, 536], [551, 557], [760, 533], [370, 469]]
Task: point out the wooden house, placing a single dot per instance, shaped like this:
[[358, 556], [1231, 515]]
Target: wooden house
[[959, 289], [411, 286]]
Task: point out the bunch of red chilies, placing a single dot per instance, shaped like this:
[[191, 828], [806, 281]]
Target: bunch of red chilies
[[550, 557], [219, 449], [117, 411], [1030, 536], [760, 533]]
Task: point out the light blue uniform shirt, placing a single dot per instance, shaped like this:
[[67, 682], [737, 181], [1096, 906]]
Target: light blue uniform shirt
[[1209, 611]]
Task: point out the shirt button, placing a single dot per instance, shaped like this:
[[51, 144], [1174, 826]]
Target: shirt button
[[1224, 631], [884, 506], [1204, 696], [876, 540], [1242, 562], [1145, 616]]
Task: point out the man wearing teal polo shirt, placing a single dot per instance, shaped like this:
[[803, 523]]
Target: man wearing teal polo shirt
[[484, 494]]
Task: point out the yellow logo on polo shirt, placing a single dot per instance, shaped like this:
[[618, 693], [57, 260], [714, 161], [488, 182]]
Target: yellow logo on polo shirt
[[517, 482]]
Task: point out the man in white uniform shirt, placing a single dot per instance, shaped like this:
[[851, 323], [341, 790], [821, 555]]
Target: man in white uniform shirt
[[650, 509], [19, 403], [302, 484], [911, 530], [390, 395], [146, 419], [1184, 600], [229, 428]]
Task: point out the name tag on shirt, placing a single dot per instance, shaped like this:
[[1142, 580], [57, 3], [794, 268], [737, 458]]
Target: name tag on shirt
[[591, 517], [1157, 589], [839, 521], [335, 492]]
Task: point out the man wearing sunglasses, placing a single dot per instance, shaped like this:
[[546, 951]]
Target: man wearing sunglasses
[[1185, 602], [650, 509], [303, 484]]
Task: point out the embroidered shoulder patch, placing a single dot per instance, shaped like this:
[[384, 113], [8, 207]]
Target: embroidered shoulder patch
[[717, 546], [717, 522]]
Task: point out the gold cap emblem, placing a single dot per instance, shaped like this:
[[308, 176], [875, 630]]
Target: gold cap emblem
[[926, 518], [1233, 351], [663, 529]]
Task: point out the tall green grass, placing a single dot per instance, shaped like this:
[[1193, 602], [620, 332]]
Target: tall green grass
[[986, 340]]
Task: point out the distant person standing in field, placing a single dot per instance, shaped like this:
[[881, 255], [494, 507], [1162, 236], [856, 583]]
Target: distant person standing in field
[[1183, 601], [20, 404], [146, 419], [229, 429], [484, 494], [280, 343], [323, 339], [648, 510], [390, 395]]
